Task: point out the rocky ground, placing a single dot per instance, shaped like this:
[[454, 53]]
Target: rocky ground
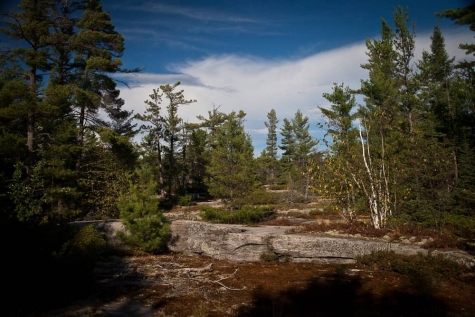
[[176, 284], [179, 285]]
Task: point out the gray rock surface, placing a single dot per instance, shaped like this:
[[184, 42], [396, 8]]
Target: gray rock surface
[[243, 243], [249, 243]]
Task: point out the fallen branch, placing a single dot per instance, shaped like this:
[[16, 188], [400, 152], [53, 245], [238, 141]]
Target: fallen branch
[[226, 287], [187, 270]]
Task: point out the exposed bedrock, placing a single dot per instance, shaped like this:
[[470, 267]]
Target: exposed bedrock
[[251, 243], [247, 243]]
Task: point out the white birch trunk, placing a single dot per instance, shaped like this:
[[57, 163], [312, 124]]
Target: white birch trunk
[[377, 191]]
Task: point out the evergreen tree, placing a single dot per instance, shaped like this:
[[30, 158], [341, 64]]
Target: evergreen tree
[[197, 160], [270, 154], [173, 125], [288, 142], [97, 49], [340, 166], [436, 71], [304, 146], [155, 129], [147, 227], [231, 163], [30, 25], [464, 15], [271, 140]]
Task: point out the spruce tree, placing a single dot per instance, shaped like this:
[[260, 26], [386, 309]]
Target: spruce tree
[[231, 172], [270, 154], [336, 175]]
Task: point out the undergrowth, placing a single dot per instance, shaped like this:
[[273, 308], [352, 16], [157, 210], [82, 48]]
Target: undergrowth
[[243, 215]]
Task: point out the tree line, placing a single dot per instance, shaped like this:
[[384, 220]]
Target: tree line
[[406, 155]]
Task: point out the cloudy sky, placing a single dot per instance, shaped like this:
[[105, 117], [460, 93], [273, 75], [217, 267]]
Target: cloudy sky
[[256, 55]]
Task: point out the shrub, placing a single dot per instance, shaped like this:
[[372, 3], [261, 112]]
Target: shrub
[[269, 257], [325, 210], [278, 187], [243, 215], [258, 197], [462, 225], [147, 228], [184, 200], [295, 214], [88, 243]]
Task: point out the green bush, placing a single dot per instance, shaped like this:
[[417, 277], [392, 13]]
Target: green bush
[[262, 197], [87, 243], [278, 187], [184, 200], [269, 257], [243, 215], [147, 228], [324, 211], [462, 225]]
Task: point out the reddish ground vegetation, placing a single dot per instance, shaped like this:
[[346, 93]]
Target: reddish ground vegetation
[[162, 286]]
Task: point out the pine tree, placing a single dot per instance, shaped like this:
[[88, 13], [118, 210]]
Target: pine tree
[[270, 154], [338, 172], [147, 227], [155, 128], [97, 49], [231, 164], [464, 15], [288, 142], [172, 125], [30, 25], [197, 159]]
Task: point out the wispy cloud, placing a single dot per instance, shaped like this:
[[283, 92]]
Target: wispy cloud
[[257, 85], [196, 13]]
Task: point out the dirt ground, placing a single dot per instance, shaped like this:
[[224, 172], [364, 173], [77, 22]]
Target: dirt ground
[[181, 285]]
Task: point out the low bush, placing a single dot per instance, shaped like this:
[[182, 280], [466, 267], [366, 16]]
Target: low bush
[[269, 257], [87, 244], [462, 225], [184, 200], [259, 197], [295, 214], [278, 187], [243, 215]]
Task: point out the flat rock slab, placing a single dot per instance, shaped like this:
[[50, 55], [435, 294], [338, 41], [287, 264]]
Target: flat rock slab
[[241, 243], [247, 243]]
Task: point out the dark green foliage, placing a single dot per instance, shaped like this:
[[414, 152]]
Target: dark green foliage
[[261, 197], [147, 228], [463, 16], [268, 257], [86, 245], [184, 200], [231, 172], [243, 215]]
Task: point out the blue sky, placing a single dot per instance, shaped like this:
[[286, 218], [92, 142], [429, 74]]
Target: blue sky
[[256, 55]]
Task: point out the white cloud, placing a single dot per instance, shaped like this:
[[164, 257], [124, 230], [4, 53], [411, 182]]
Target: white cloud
[[257, 85]]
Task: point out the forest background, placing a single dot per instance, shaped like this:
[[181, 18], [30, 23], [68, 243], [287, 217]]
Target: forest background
[[406, 155]]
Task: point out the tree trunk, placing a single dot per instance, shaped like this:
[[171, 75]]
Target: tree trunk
[[160, 169]]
